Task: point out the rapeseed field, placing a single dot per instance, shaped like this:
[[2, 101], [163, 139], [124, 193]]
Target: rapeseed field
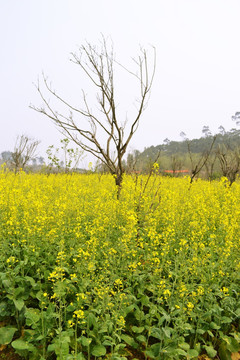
[[153, 275]]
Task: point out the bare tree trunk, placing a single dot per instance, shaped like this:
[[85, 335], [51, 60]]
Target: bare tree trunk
[[84, 125], [24, 151], [198, 165], [229, 162]]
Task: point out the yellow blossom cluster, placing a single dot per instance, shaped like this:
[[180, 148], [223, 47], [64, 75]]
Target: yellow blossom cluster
[[72, 235]]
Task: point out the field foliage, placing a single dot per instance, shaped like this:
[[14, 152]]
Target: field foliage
[[153, 275]]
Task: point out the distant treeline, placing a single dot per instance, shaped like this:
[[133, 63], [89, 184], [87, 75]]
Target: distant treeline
[[210, 156]]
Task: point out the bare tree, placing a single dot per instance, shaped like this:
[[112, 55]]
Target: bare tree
[[197, 165], [24, 151], [210, 165], [103, 122], [132, 162], [176, 165], [229, 162]]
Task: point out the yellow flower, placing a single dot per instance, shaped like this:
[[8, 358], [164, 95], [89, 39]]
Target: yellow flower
[[167, 293], [73, 277], [118, 282], [71, 323], [79, 314], [121, 321], [190, 306], [225, 291]]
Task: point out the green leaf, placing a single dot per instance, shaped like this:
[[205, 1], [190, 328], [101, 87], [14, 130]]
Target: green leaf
[[226, 338], [3, 308], [80, 356], [51, 347], [71, 308], [226, 320], [214, 326], [234, 345], [32, 316], [236, 336], [144, 300], [7, 284], [142, 339], [192, 353], [70, 357], [156, 333], [137, 330], [86, 341], [98, 350], [40, 337], [30, 279], [119, 347], [129, 340], [128, 309], [19, 304], [91, 319], [20, 345], [187, 326], [19, 291], [210, 351], [210, 333], [6, 334], [180, 352], [154, 350], [223, 352], [107, 343], [184, 346], [167, 332], [103, 329], [65, 337], [150, 354], [60, 346], [139, 314]]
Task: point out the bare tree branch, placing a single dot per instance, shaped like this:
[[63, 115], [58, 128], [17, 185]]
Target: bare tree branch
[[24, 150], [98, 66], [197, 166]]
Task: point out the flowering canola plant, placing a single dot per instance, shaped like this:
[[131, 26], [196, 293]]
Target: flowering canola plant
[[83, 274]]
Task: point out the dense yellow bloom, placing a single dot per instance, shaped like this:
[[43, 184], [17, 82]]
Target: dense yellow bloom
[[79, 314], [121, 322], [190, 306], [94, 254], [118, 282]]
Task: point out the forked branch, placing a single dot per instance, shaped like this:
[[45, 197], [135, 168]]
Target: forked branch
[[99, 131]]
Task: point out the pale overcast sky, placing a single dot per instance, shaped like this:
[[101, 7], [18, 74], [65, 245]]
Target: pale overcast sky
[[197, 78]]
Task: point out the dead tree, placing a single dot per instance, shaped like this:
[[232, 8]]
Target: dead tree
[[102, 133], [229, 162], [24, 151], [210, 165], [176, 165], [197, 165]]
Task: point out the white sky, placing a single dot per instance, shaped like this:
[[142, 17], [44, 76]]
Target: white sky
[[197, 80]]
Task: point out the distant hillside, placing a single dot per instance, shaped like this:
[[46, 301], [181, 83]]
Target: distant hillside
[[229, 138], [173, 157]]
